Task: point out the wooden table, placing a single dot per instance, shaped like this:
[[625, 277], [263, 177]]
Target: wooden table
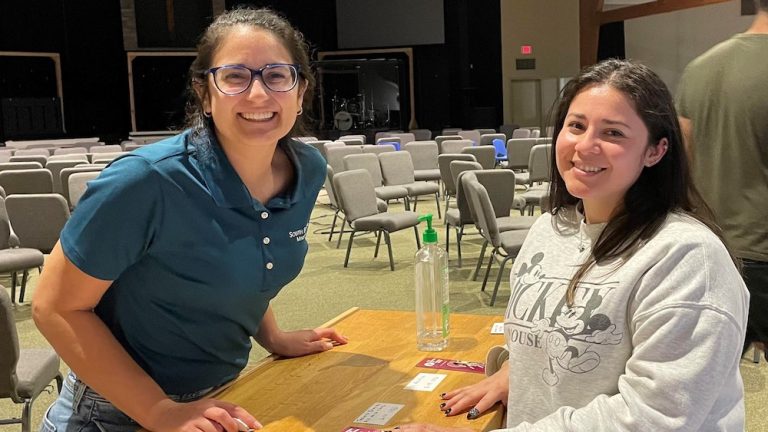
[[326, 392]]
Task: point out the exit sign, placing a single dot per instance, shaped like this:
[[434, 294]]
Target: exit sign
[[526, 49]]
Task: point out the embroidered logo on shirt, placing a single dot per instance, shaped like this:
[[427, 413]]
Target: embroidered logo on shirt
[[299, 235], [538, 316]]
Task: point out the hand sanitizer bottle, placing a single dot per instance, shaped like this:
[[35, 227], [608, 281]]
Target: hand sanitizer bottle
[[432, 310]]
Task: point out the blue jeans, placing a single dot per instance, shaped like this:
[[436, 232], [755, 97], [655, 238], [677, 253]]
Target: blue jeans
[[80, 409]]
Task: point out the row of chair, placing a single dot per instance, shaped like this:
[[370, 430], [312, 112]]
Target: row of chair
[[69, 181]]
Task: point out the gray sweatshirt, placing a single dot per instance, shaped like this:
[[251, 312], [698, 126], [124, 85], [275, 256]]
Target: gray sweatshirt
[[652, 343]]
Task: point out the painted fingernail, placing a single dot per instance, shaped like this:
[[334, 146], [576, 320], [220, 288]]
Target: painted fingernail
[[442, 395], [473, 414], [448, 411], [442, 405]]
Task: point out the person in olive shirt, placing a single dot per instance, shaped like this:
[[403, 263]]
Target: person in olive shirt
[[168, 265], [723, 108]]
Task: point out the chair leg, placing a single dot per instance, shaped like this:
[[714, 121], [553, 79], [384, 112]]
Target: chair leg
[[459, 235], [447, 240], [349, 248], [14, 279], [418, 240], [378, 240], [437, 202], [23, 285], [59, 381], [389, 249], [415, 202], [756, 355], [407, 203], [480, 260], [341, 231], [498, 279], [488, 269], [26, 415], [333, 225]]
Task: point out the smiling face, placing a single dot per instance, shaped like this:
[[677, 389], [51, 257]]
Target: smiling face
[[602, 149], [258, 116]]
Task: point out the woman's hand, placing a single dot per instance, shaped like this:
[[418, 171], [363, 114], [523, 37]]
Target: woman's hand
[[479, 397], [416, 427], [206, 415], [303, 342]]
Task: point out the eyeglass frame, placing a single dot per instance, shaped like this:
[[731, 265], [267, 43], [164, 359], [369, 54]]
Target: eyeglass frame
[[255, 73]]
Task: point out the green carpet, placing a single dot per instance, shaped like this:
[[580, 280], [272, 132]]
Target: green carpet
[[325, 289]]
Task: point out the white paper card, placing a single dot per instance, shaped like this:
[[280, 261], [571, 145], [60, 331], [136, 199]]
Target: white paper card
[[498, 328], [425, 382], [379, 413]]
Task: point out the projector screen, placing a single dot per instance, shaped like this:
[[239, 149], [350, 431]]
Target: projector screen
[[377, 24]]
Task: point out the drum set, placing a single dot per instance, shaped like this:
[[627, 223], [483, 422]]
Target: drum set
[[353, 113]]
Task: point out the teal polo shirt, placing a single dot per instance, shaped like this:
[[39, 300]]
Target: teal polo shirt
[[194, 259]]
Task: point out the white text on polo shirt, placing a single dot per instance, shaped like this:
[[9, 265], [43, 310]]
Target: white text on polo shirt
[[299, 235]]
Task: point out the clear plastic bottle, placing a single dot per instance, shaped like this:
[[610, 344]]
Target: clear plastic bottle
[[432, 308]]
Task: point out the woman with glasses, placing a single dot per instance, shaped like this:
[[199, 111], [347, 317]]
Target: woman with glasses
[[627, 312], [167, 267]]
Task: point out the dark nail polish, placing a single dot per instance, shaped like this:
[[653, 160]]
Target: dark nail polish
[[442, 405], [442, 395], [448, 411], [473, 414]]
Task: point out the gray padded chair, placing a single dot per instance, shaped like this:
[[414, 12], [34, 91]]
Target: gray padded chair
[[358, 200], [66, 172], [472, 135], [521, 133], [33, 152], [70, 150], [378, 149], [505, 244], [106, 157], [30, 181], [450, 131], [454, 146], [422, 134], [8, 166], [459, 216], [112, 148], [424, 156], [78, 183], [335, 155], [370, 163], [29, 158], [13, 258], [485, 155], [68, 157], [538, 171], [485, 131], [37, 219], [519, 152], [397, 169], [440, 139], [55, 167], [24, 373], [336, 206], [444, 164]]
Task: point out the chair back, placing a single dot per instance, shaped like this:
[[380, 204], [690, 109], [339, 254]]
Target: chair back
[[423, 154], [29, 181], [471, 135], [500, 185], [444, 163], [7, 166], [521, 133], [538, 164], [485, 155], [441, 138], [421, 134], [484, 131], [397, 168], [106, 157], [70, 150], [55, 168], [109, 148], [368, 162], [377, 149], [33, 152], [37, 219], [487, 139], [336, 156], [329, 187], [82, 157], [391, 140], [450, 131], [405, 137], [5, 228], [9, 347], [352, 139], [519, 151], [481, 209], [458, 169], [535, 133], [66, 172], [356, 194], [454, 146], [78, 183], [29, 158], [501, 149]]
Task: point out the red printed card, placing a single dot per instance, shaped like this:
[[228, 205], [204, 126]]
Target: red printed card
[[453, 365]]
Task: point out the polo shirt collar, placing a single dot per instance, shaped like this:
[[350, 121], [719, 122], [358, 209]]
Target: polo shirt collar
[[225, 185]]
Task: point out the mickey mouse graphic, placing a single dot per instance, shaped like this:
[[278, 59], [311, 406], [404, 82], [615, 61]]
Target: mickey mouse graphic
[[576, 325]]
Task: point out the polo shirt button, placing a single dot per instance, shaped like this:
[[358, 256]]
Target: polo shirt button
[[264, 215], [270, 266], [266, 240]]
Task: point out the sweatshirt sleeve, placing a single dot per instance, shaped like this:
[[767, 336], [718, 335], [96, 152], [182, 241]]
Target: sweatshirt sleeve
[[687, 332]]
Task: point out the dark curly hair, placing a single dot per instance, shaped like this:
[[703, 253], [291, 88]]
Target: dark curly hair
[[265, 19]]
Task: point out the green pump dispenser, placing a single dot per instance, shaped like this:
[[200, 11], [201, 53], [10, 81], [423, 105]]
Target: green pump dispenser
[[430, 235]]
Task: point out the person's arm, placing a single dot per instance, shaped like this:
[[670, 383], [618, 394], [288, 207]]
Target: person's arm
[[294, 343], [686, 127]]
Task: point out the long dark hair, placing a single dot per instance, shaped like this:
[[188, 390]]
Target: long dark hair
[[212, 38], [661, 189]]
